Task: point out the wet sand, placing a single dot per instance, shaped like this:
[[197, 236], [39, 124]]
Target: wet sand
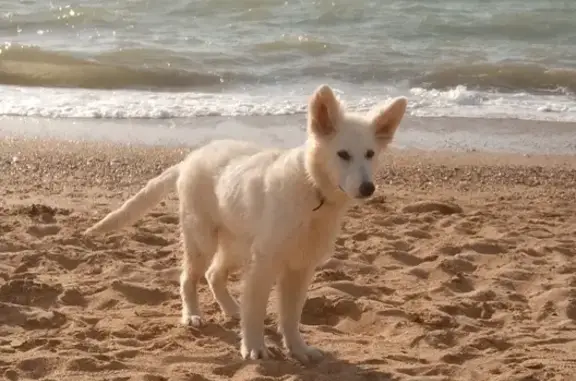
[[430, 133], [462, 267]]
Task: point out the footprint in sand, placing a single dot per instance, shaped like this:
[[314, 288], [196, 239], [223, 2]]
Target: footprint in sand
[[150, 239], [322, 310], [38, 367], [389, 221], [41, 231], [418, 233], [30, 318], [432, 206], [29, 292], [41, 213], [469, 308], [483, 246], [459, 284], [456, 266], [449, 249], [141, 295], [404, 257], [330, 275], [66, 262], [12, 247], [91, 364], [358, 291], [72, 297], [570, 309]]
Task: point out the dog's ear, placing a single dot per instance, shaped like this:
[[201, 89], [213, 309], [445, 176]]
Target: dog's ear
[[385, 120], [323, 112]]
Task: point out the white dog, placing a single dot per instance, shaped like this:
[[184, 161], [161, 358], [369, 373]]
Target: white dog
[[276, 211]]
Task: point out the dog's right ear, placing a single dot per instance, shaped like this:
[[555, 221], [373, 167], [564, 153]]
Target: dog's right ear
[[323, 112]]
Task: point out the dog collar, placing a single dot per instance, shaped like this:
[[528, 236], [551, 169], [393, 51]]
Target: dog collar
[[321, 200]]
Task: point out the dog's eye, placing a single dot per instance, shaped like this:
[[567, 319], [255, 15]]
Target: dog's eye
[[344, 155], [369, 154]]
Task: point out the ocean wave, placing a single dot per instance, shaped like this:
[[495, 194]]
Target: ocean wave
[[31, 66], [57, 17], [129, 104], [300, 44], [503, 77], [538, 25], [155, 69]]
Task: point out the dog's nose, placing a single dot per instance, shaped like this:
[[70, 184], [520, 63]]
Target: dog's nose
[[367, 188]]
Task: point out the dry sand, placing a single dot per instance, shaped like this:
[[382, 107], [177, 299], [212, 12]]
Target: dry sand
[[462, 268]]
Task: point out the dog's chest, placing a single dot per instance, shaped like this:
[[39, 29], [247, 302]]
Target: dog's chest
[[315, 241]]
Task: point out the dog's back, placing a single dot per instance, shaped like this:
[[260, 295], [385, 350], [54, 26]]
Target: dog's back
[[228, 183], [196, 173]]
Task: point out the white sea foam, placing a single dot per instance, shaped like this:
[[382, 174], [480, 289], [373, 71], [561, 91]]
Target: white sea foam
[[124, 104]]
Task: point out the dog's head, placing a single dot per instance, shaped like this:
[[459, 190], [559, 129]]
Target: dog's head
[[345, 146]]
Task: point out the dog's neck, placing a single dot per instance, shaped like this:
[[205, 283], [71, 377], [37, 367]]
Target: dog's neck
[[328, 193]]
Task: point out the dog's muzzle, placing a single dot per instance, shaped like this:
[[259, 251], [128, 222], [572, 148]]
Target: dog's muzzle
[[366, 189]]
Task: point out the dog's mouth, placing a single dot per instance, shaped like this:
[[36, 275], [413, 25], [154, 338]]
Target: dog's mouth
[[362, 198], [357, 196]]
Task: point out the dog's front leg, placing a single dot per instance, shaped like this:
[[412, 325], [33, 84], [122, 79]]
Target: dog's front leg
[[292, 289], [258, 283]]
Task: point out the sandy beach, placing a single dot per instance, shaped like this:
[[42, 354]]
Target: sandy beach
[[461, 268]]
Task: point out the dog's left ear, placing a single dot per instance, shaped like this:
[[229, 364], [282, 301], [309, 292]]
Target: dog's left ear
[[386, 120]]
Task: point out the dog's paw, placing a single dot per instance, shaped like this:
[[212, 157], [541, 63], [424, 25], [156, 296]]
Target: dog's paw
[[194, 321], [254, 352], [306, 354]]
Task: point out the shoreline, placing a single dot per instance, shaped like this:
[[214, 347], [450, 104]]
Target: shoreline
[[420, 133]]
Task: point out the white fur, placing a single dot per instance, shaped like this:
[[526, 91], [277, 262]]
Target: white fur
[[275, 213]]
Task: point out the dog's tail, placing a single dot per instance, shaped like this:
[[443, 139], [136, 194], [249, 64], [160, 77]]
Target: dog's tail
[[138, 204]]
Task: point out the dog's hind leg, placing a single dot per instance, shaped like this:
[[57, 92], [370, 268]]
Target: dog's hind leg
[[217, 277], [199, 243], [229, 257]]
